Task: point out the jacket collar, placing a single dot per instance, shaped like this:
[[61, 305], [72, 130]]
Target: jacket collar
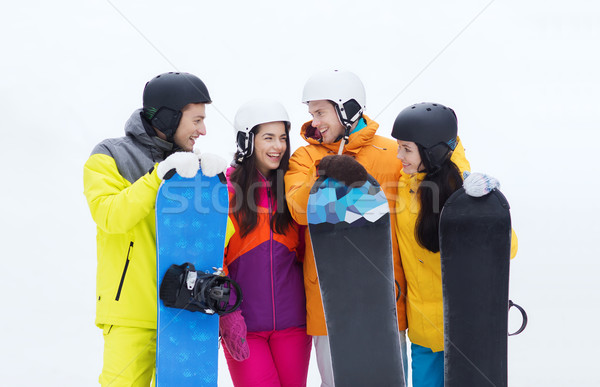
[[355, 142], [136, 127], [263, 197], [412, 181]]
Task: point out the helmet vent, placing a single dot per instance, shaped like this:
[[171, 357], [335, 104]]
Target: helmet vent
[[428, 109]]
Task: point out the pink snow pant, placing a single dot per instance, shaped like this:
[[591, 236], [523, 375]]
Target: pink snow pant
[[277, 358]]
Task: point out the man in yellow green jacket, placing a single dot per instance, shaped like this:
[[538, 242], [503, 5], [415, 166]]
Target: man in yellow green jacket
[[121, 179]]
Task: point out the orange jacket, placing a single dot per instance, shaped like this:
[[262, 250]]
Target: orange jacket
[[378, 155]]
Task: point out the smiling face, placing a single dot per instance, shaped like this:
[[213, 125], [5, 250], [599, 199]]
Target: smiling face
[[408, 153], [191, 126], [270, 144], [326, 120]]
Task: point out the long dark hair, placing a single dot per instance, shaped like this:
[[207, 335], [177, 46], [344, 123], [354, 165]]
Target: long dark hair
[[245, 199], [435, 189]]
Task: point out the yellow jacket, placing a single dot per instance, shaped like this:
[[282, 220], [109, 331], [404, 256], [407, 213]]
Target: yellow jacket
[[121, 195], [378, 155], [422, 268], [126, 244]]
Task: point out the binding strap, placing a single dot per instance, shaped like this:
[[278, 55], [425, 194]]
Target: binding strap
[[183, 287], [524, 323]]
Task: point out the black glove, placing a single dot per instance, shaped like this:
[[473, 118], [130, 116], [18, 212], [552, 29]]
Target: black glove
[[343, 168]]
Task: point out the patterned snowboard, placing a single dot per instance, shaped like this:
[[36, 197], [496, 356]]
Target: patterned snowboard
[[191, 220], [351, 239]]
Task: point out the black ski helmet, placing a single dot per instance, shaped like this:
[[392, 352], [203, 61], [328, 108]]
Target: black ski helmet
[[166, 94], [433, 127]]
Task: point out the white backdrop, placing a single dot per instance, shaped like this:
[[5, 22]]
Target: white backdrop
[[523, 78]]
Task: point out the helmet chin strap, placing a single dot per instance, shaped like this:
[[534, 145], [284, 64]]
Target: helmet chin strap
[[341, 149], [347, 123], [344, 139]]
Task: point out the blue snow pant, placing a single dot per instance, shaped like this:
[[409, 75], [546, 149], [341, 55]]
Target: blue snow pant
[[427, 367]]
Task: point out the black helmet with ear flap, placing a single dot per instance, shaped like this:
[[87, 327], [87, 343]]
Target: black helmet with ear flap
[[167, 94], [433, 127]]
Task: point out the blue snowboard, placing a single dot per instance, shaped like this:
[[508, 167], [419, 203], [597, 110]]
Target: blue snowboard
[[191, 220], [351, 238]]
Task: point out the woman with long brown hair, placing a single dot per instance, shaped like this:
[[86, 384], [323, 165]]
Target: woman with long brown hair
[[265, 254]]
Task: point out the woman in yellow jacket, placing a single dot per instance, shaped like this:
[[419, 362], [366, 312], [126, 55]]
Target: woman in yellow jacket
[[427, 138]]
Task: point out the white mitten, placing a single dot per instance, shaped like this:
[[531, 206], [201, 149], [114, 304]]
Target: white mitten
[[212, 164], [184, 163], [479, 184]]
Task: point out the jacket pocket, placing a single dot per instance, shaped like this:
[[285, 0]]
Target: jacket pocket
[[124, 272]]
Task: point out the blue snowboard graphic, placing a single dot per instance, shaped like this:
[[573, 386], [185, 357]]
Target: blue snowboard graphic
[[191, 220], [351, 238]]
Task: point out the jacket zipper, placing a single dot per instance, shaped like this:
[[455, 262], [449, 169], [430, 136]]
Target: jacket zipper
[[271, 256], [124, 272]]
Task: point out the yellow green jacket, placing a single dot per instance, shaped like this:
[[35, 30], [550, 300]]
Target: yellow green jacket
[[422, 268], [121, 194]]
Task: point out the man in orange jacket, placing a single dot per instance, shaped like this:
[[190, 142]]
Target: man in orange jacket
[[340, 130]]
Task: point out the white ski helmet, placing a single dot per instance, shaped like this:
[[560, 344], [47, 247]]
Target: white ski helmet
[[343, 88], [251, 114]]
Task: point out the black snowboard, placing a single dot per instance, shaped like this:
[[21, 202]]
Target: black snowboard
[[351, 239], [475, 238]]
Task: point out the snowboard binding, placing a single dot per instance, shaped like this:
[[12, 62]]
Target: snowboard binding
[[183, 287]]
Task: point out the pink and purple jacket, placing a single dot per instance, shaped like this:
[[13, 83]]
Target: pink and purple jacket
[[268, 268]]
